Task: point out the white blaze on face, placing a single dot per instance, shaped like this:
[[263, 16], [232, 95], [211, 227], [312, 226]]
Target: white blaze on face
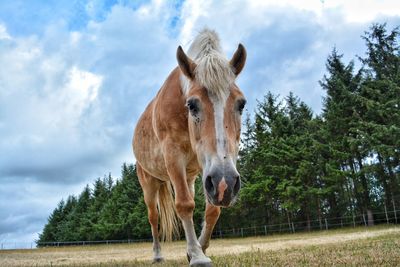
[[220, 134]]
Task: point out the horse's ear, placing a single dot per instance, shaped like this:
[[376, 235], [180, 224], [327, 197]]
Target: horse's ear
[[186, 65], [238, 60]]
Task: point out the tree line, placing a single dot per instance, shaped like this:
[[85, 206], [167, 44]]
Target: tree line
[[295, 165]]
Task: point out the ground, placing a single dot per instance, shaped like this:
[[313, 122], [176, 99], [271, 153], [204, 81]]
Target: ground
[[373, 246]]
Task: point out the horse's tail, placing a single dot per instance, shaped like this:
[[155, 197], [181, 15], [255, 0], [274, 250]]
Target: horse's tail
[[169, 226]]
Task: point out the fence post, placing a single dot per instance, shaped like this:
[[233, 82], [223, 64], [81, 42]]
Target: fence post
[[354, 221], [293, 227], [394, 210], [387, 218], [365, 222], [326, 224], [341, 223], [255, 230], [241, 231], [265, 229]]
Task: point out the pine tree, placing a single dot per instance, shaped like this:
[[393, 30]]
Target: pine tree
[[49, 233], [379, 106]]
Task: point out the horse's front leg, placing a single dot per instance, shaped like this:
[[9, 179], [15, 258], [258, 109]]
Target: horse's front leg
[[184, 203], [211, 217]]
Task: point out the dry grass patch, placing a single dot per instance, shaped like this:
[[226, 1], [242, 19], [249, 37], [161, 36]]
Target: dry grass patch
[[377, 246]]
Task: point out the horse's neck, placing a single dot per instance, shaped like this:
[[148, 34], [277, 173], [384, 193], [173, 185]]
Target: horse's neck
[[170, 114]]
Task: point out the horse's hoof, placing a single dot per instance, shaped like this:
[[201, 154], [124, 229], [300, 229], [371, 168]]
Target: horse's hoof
[[158, 260], [188, 257], [201, 263]]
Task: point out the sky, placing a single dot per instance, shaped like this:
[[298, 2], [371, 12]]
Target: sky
[[76, 75]]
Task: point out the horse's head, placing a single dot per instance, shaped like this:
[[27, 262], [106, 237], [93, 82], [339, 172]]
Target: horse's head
[[215, 105]]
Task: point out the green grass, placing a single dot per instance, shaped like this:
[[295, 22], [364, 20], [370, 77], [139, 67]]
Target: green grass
[[376, 246]]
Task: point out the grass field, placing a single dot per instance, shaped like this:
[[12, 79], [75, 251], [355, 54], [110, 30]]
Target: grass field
[[374, 246]]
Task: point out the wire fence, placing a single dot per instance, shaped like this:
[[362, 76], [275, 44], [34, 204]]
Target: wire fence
[[385, 217]]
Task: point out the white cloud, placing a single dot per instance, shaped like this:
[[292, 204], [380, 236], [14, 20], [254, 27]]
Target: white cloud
[[357, 11], [79, 92], [363, 11], [3, 33]]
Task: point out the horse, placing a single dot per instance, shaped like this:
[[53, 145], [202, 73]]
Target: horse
[[191, 126]]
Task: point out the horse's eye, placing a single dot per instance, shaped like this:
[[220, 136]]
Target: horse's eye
[[240, 105], [193, 106]]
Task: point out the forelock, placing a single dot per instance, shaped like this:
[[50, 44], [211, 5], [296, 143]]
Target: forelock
[[213, 70]]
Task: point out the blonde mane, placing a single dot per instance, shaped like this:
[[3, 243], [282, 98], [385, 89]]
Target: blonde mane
[[213, 70]]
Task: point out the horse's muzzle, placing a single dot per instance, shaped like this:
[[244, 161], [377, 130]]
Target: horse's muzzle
[[222, 188]]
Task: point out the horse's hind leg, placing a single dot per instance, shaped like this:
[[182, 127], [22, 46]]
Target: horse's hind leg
[[151, 186]]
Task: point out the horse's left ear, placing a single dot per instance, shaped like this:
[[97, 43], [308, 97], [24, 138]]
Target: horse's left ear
[[238, 60], [186, 65]]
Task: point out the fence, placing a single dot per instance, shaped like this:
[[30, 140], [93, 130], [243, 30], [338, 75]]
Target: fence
[[386, 217]]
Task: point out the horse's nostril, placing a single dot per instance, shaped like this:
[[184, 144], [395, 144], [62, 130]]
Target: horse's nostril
[[236, 187], [208, 184]]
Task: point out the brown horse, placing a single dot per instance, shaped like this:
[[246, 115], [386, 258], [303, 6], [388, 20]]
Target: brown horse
[[191, 126]]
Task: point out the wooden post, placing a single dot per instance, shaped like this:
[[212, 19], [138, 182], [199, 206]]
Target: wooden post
[[326, 224], [365, 222], [354, 221], [241, 231], [394, 210], [265, 229]]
